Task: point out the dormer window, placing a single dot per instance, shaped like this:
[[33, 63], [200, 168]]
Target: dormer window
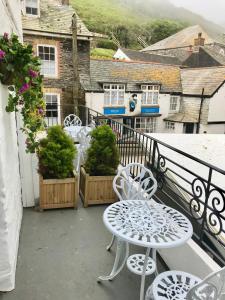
[[31, 7]]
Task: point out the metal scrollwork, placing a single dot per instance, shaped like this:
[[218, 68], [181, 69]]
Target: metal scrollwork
[[215, 209], [199, 196]]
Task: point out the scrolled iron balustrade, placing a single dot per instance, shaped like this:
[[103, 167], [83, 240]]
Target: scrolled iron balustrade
[[196, 196]]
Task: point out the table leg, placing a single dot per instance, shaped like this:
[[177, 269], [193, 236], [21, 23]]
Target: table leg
[[122, 252], [154, 252], [142, 290]]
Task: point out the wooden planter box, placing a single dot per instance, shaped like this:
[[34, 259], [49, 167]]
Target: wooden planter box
[[58, 193], [96, 189]]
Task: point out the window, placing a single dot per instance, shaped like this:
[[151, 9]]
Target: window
[[52, 109], [31, 7], [47, 55], [147, 125], [170, 125], [114, 94], [150, 94], [174, 103]]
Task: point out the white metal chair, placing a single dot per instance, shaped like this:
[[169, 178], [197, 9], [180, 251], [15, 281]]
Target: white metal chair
[[178, 285], [84, 139], [140, 186], [135, 182], [72, 120]]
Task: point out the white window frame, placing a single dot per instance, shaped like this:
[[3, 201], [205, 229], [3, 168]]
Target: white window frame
[[110, 90], [148, 94], [32, 15], [170, 125], [147, 124], [56, 60], [58, 108], [172, 104]]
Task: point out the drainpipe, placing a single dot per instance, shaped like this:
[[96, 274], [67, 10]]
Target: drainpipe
[[200, 111], [76, 79]]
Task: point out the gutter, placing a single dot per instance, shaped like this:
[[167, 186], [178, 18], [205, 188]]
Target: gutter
[[200, 111]]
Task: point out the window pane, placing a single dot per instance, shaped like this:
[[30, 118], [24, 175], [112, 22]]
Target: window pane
[[121, 98], [143, 98], [149, 99], [155, 98], [48, 66], [106, 98], [52, 112], [114, 97]]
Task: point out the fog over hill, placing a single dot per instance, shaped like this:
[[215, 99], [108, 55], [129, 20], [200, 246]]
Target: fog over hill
[[104, 16]]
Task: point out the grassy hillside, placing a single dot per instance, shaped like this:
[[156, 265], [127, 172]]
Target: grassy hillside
[[104, 16]]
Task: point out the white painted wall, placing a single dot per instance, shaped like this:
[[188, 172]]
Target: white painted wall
[[217, 106], [96, 101], [120, 55], [10, 184]]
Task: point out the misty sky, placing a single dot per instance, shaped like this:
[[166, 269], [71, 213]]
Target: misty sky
[[213, 10]]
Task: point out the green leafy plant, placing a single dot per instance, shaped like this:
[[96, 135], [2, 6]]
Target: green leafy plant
[[20, 70], [56, 153], [103, 154]]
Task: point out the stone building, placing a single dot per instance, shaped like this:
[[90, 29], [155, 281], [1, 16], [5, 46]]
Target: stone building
[[168, 98], [192, 46], [64, 52]]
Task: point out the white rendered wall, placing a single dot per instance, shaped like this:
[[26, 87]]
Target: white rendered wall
[[120, 55], [217, 106], [10, 184], [95, 101]]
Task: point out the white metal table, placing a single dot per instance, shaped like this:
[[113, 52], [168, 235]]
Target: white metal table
[[74, 130], [147, 224]]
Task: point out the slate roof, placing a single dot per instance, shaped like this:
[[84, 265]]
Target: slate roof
[[183, 38], [215, 54], [54, 18], [148, 57], [182, 118], [133, 74], [194, 80]]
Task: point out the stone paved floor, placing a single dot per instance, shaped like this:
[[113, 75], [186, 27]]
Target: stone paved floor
[[61, 254]]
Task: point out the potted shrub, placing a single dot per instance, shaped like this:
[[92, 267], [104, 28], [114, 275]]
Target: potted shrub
[[96, 176], [58, 181]]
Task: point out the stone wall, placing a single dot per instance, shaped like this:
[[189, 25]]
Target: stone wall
[[64, 80]]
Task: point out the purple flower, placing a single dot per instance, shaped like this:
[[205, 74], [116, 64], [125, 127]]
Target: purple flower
[[24, 87], [2, 54], [6, 36], [32, 73], [40, 111]]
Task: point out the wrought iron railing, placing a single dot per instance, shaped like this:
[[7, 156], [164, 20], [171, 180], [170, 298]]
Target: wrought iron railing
[[185, 182]]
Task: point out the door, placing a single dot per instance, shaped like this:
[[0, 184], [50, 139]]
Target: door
[[189, 128]]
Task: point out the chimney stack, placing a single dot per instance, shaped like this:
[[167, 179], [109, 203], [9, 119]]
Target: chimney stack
[[65, 2], [200, 41]]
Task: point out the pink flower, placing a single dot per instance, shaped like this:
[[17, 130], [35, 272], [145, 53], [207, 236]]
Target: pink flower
[[40, 111], [2, 54], [24, 87], [32, 73], [6, 36]]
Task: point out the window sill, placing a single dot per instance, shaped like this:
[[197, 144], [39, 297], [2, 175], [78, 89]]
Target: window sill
[[150, 105], [113, 106]]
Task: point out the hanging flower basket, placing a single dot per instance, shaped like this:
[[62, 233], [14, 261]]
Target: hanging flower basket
[[20, 69]]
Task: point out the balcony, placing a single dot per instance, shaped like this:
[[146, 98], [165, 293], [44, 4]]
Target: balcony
[[62, 252]]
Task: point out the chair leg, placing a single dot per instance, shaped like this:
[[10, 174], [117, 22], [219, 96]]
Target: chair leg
[[108, 248], [122, 253]]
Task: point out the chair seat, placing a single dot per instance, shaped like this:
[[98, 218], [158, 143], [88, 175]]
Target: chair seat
[[135, 264], [171, 285]]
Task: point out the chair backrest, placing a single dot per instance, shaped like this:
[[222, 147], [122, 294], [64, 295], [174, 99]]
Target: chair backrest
[[72, 120], [134, 182], [84, 138], [211, 288]]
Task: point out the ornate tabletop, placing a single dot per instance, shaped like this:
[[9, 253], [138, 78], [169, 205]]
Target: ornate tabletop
[[147, 224]]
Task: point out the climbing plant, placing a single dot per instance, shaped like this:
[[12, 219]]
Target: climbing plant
[[20, 70]]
